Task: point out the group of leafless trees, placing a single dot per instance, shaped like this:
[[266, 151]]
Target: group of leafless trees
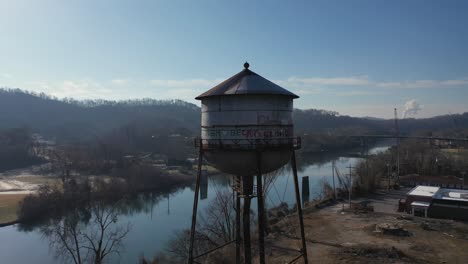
[[87, 236], [118, 170], [331, 142], [422, 157], [75, 192], [15, 149], [215, 227]]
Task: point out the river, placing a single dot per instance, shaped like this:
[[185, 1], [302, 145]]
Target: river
[[154, 221]]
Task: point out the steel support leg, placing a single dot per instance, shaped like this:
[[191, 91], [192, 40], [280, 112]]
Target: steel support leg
[[195, 206], [238, 224], [299, 207], [261, 212], [247, 183]]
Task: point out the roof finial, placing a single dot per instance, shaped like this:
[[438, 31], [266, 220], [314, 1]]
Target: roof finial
[[246, 65]]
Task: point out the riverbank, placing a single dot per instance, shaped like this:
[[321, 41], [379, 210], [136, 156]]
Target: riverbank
[[16, 185]]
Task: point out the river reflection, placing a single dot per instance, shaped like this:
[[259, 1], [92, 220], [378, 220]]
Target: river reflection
[[155, 217]]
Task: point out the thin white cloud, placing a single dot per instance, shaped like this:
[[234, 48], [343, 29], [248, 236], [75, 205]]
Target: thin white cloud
[[119, 81], [310, 91], [455, 82], [312, 85], [358, 93], [424, 84], [181, 89], [340, 81], [82, 89], [195, 83], [364, 81], [6, 76], [186, 94]]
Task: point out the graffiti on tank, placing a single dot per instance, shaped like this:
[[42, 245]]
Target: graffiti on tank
[[248, 133]]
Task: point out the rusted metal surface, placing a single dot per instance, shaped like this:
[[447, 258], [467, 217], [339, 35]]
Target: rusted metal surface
[[247, 110], [238, 157], [243, 162], [248, 144], [250, 133]]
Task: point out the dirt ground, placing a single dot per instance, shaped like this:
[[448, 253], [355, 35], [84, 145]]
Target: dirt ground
[[15, 185], [349, 237], [8, 206]]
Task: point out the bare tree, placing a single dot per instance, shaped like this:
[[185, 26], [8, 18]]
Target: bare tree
[[216, 227], [178, 247], [218, 221], [79, 241]]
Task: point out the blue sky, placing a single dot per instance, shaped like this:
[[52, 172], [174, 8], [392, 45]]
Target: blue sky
[[361, 58]]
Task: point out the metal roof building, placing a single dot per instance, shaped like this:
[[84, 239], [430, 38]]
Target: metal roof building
[[419, 198], [424, 191], [438, 202], [452, 194], [450, 203]]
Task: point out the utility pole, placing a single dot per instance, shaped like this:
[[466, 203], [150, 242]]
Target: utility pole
[[397, 137], [463, 175], [168, 206], [350, 184], [333, 177], [388, 177], [367, 158]]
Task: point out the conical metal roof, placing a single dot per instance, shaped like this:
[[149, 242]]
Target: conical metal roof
[[246, 82]]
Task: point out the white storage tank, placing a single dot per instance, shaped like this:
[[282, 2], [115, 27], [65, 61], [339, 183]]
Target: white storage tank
[[243, 115]]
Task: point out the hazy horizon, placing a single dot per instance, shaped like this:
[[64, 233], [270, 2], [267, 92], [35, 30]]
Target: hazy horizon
[[196, 103]]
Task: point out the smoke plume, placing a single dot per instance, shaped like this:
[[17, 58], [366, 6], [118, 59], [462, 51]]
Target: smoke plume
[[412, 107]]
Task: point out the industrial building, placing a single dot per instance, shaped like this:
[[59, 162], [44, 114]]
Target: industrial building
[[450, 203], [436, 202]]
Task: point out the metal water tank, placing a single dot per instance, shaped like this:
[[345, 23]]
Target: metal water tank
[[242, 116]]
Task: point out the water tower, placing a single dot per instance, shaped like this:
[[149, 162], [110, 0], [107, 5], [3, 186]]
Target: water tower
[[247, 130]]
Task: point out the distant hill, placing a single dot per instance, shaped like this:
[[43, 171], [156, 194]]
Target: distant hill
[[70, 119], [327, 121]]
